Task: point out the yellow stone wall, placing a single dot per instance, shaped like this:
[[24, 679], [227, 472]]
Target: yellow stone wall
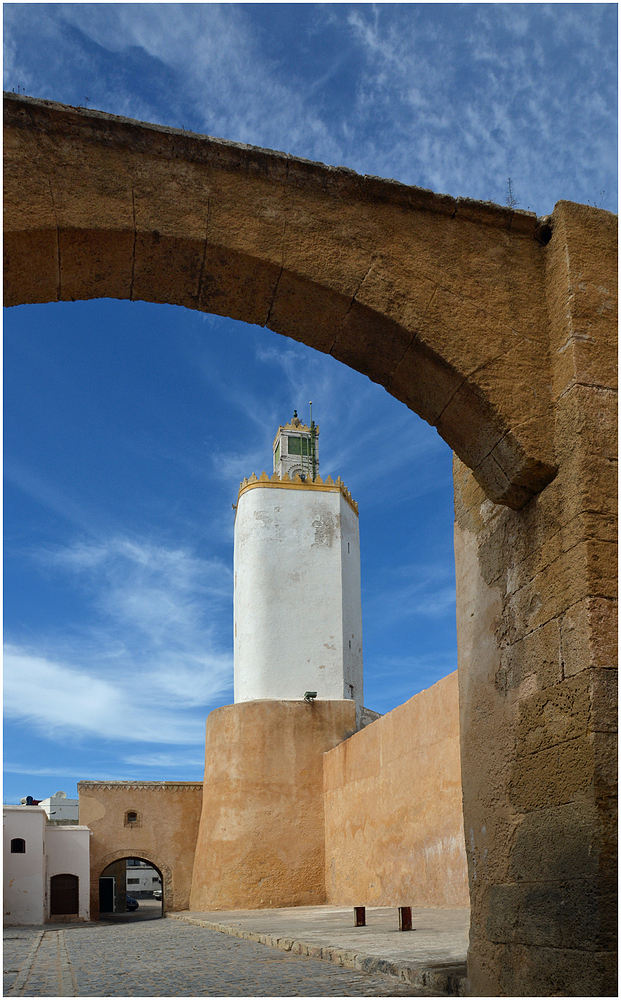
[[394, 826]]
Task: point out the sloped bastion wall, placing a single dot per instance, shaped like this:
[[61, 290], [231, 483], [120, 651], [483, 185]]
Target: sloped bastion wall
[[261, 836], [497, 328]]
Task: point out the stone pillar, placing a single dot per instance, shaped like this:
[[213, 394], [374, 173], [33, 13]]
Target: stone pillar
[[261, 836], [536, 602]]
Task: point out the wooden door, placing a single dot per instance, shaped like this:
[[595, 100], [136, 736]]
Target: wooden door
[[64, 894]]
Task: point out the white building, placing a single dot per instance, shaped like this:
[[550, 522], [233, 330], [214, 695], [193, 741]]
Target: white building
[[46, 868], [298, 619], [60, 809], [141, 878]]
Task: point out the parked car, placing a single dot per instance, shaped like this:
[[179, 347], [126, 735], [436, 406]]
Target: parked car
[[131, 903], [157, 894]]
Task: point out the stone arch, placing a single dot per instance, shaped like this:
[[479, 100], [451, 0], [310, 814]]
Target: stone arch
[[99, 865], [498, 329], [430, 296]]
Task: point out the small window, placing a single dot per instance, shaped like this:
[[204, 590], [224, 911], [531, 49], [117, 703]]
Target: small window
[[298, 446], [155, 879], [132, 818], [18, 846], [133, 881]]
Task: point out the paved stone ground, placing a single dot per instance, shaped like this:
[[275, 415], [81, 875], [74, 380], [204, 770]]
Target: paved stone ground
[[433, 955], [169, 958]]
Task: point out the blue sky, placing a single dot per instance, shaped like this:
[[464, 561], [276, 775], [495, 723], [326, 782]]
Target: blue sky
[[128, 426]]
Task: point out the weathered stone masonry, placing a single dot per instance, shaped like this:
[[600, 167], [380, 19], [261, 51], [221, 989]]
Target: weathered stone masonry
[[501, 332]]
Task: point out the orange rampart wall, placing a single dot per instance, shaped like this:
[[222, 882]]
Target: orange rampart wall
[[394, 827]]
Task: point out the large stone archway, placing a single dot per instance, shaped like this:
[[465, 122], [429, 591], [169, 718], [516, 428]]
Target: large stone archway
[[441, 301], [498, 329]]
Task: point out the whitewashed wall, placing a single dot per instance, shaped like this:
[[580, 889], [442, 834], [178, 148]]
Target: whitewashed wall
[[297, 595], [24, 874], [61, 809], [50, 850], [351, 601], [68, 853]]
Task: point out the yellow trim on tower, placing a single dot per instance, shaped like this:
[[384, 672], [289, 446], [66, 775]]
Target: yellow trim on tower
[[275, 482]]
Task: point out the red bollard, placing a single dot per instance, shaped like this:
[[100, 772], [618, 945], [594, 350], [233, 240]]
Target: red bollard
[[405, 918], [360, 916]]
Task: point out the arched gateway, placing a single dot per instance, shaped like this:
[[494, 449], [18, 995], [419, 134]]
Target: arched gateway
[[498, 329], [156, 821]]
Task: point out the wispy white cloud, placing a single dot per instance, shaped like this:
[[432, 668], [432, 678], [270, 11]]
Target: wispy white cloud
[[401, 677], [180, 761], [224, 79], [150, 587], [50, 495], [471, 94], [455, 97], [425, 591], [59, 771], [55, 697], [151, 656], [177, 761], [47, 692]]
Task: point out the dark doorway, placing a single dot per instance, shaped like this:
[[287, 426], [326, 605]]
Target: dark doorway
[[64, 895], [130, 889], [106, 894]]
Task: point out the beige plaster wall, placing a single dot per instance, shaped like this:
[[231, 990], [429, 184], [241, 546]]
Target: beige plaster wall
[[165, 833], [261, 839], [394, 828]]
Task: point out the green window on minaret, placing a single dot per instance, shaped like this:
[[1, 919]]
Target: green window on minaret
[[277, 454], [298, 446]]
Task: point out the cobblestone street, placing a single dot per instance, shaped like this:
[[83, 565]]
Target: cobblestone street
[[169, 958]]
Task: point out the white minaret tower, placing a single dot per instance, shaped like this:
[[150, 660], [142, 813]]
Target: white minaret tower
[[298, 619]]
